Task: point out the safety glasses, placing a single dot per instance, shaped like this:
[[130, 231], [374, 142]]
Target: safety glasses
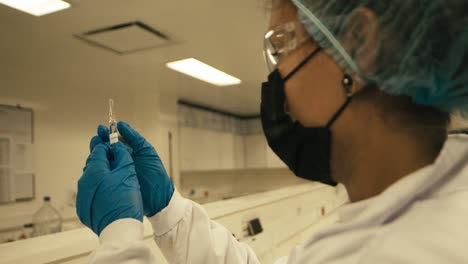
[[281, 41]]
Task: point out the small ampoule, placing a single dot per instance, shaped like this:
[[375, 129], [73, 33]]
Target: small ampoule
[[113, 133]]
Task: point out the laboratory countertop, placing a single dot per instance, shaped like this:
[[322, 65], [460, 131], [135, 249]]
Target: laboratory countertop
[[82, 241], [222, 208]]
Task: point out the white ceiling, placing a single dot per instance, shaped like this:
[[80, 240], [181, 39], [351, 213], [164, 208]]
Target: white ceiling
[[43, 52]]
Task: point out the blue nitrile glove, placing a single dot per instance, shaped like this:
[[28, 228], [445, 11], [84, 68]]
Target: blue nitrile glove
[[108, 190], [156, 187]]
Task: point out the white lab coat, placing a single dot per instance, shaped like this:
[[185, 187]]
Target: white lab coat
[[423, 218]]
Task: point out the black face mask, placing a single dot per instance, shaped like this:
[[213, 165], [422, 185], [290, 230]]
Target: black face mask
[[305, 150]]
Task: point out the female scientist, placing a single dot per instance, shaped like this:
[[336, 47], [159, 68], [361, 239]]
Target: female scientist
[[360, 93]]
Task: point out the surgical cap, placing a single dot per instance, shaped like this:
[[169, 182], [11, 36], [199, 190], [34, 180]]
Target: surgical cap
[[422, 48]]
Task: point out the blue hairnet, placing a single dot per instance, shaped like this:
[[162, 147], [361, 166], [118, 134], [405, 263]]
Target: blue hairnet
[[422, 46]]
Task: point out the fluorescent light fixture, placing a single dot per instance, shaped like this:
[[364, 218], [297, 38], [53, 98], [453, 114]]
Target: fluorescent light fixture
[[204, 72], [37, 7]]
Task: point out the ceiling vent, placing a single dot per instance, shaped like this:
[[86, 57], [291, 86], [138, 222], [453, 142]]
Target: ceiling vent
[[126, 38]]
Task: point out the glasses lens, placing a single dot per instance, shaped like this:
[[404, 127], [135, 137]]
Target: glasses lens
[[270, 54], [278, 43]]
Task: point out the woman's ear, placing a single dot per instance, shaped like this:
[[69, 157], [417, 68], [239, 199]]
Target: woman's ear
[[360, 38]]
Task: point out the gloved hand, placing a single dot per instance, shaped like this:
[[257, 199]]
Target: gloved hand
[[108, 190], [156, 187]]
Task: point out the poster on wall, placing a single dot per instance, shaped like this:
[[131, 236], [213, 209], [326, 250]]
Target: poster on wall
[[16, 154]]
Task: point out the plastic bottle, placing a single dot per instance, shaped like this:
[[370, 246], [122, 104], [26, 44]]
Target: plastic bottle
[[46, 220]]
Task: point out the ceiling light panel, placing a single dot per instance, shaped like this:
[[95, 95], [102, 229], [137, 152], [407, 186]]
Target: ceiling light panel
[[37, 7], [204, 72]]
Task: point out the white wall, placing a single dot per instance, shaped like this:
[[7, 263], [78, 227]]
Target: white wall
[[65, 122]]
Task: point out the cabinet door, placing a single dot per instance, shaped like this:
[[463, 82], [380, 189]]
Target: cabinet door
[[239, 158], [199, 149], [255, 151], [226, 151]]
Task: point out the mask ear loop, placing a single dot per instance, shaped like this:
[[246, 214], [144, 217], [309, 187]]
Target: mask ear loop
[[348, 85], [304, 62], [295, 70]]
